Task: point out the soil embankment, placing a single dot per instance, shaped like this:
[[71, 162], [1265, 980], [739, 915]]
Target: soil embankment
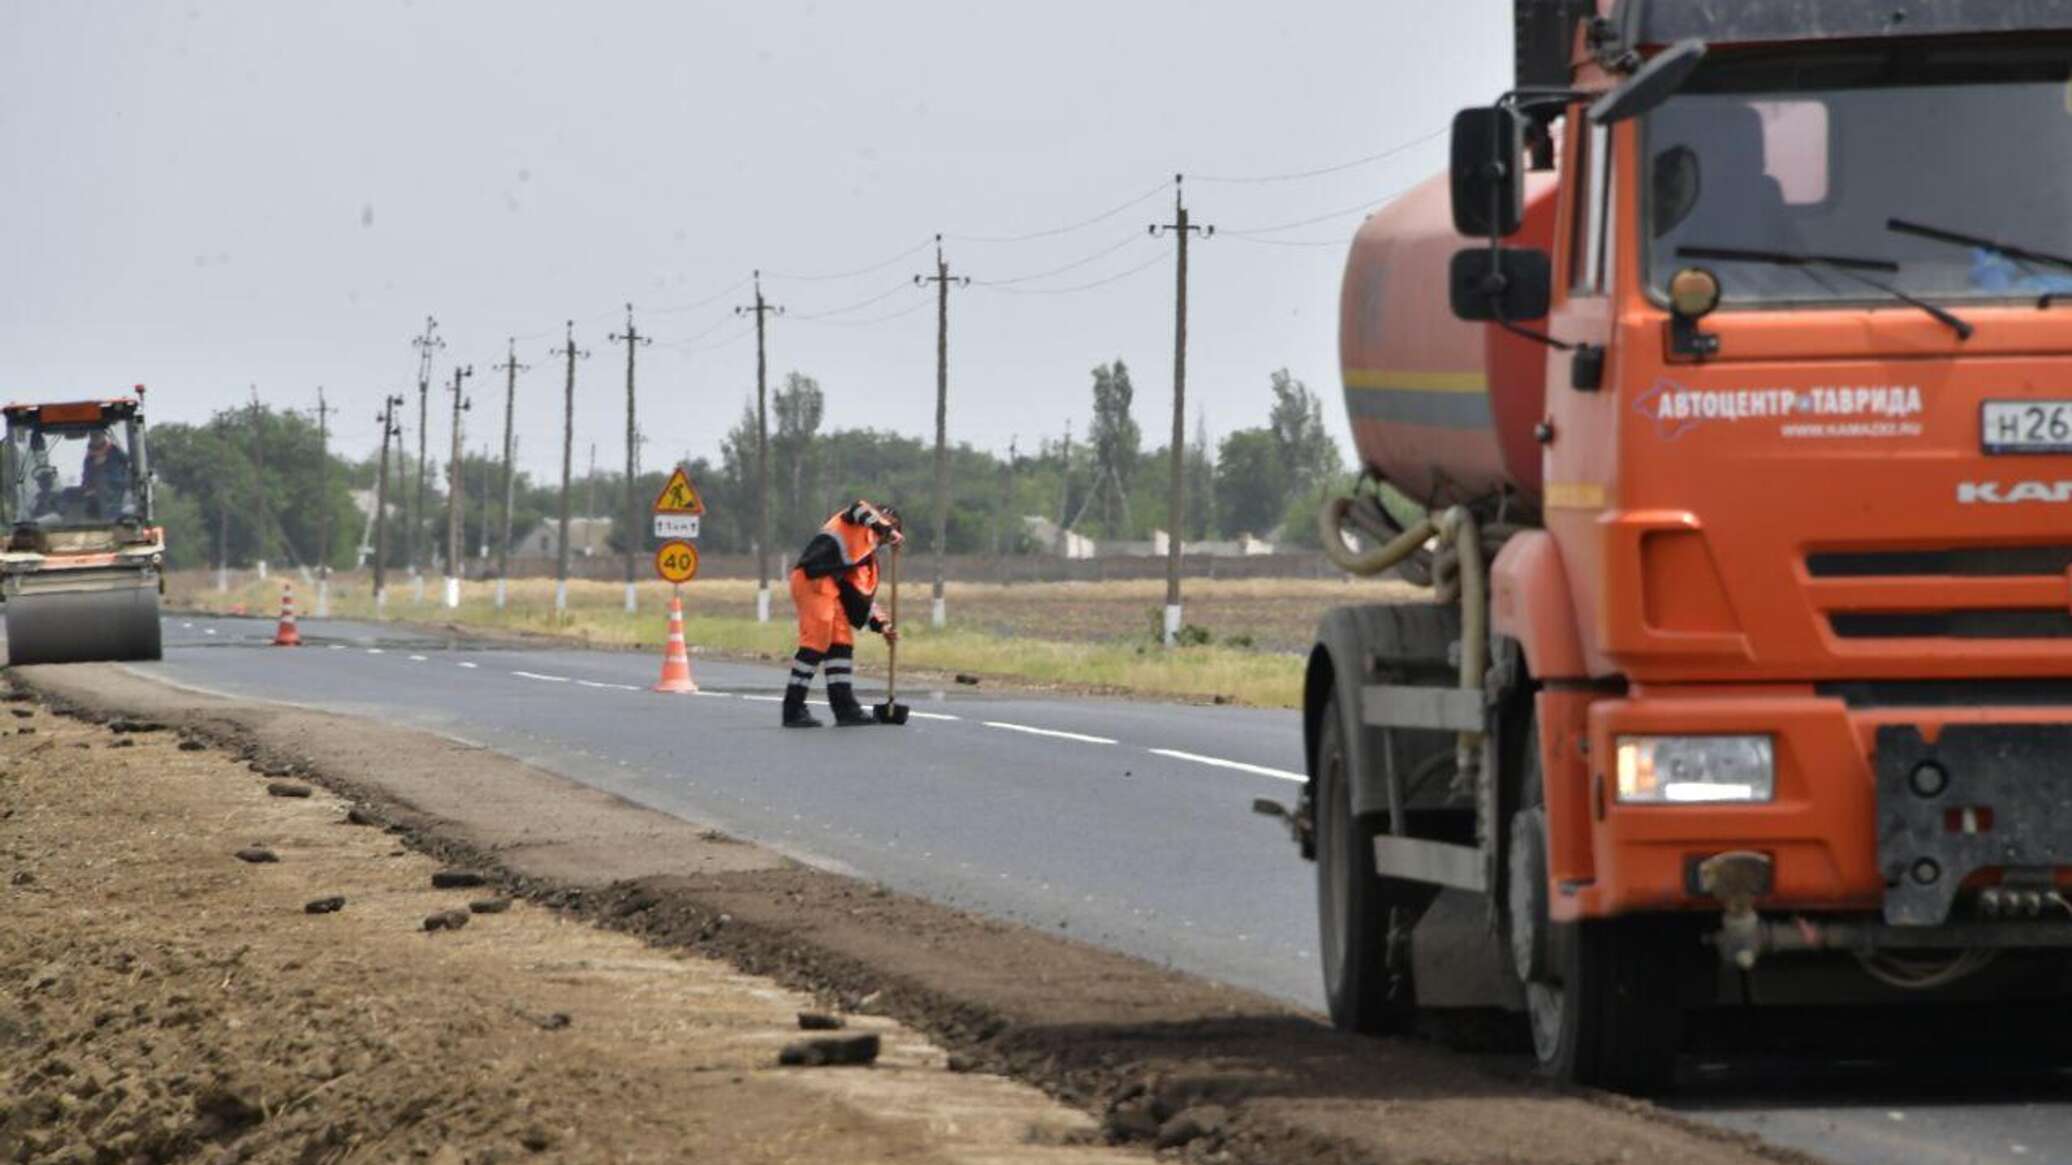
[[1157, 1057]]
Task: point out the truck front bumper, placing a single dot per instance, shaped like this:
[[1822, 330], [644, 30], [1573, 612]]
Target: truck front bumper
[[1896, 812]]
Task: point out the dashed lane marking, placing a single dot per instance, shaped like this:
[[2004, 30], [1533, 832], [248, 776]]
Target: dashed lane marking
[[417, 659], [1240, 766], [533, 675], [469, 666], [337, 646], [613, 687], [375, 651], [932, 715], [766, 699], [1079, 736]]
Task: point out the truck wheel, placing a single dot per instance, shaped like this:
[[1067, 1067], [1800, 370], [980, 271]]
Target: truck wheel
[[1366, 982], [1601, 994]]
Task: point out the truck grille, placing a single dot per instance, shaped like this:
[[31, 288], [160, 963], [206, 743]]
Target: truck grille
[[1948, 593], [1952, 625], [1969, 562]]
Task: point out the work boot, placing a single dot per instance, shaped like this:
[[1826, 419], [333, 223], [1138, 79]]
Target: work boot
[[852, 716], [796, 716]]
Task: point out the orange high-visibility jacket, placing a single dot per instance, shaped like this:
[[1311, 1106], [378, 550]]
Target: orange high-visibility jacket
[[842, 562]]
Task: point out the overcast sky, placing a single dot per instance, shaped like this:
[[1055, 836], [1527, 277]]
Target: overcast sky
[[218, 194]]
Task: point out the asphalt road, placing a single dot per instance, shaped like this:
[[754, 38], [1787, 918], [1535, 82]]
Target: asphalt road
[[1126, 824]]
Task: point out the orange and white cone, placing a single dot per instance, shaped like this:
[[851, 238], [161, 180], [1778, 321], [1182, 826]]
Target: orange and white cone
[[286, 635], [676, 661]]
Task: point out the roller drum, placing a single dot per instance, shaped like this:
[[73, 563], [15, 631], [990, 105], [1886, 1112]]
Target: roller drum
[[82, 626]]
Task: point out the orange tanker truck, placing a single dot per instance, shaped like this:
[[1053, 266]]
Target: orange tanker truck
[[1740, 448]]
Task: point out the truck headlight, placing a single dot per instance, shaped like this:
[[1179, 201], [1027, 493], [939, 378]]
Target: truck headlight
[[1657, 770]]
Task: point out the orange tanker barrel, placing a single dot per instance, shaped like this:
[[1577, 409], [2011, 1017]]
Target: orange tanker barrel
[[1418, 380]]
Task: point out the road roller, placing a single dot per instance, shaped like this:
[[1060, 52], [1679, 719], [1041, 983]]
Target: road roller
[[1728, 367], [82, 571]]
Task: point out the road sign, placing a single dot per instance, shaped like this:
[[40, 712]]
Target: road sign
[[685, 526], [679, 496], [677, 562]]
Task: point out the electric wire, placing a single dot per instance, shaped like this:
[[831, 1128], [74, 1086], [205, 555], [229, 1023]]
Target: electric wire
[[1132, 237], [864, 323], [903, 285], [722, 293], [1161, 257], [1321, 171], [1067, 229], [923, 245], [684, 344], [1358, 208]]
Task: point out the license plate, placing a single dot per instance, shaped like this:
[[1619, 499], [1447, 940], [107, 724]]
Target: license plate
[[2026, 426]]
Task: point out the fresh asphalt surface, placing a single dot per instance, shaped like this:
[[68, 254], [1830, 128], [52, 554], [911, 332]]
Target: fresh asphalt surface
[[1126, 824]]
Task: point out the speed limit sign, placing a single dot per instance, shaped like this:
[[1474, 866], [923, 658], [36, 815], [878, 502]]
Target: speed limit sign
[[677, 562]]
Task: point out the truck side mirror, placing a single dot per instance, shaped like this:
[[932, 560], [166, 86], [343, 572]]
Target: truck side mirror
[[1509, 284], [1650, 85], [1488, 172]]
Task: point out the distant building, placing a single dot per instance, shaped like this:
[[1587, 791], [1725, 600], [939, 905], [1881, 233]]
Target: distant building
[[1051, 541], [587, 538]]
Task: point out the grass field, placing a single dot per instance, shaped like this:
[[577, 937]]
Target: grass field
[[1093, 635]]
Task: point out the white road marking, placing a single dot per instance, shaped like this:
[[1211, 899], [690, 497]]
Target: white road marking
[[1049, 732], [933, 715], [470, 666], [766, 699], [186, 624], [1240, 766], [208, 631], [337, 647], [417, 659], [613, 687], [533, 675], [375, 651], [714, 695]]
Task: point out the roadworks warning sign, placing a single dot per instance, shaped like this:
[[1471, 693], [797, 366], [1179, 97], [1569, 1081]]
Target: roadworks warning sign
[[679, 496]]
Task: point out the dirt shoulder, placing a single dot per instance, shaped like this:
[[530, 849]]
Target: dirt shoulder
[[163, 1000], [1155, 1055]]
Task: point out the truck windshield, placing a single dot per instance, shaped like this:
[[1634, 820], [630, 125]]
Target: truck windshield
[[71, 475], [1815, 155]]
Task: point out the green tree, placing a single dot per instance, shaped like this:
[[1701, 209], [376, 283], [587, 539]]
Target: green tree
[[796, 409], [1251, 483], [1116, 439], [1307, 451]]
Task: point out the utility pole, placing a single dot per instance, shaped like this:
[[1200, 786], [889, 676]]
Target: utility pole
[[762, 312], [1180, 228], [456, 490], [568, 449], [323, 506], [428, 346], [1065, 493], [488, 491], [389, 431], [942, 279], [511, 368], [630, 534], [1003, 533], [259, 545]]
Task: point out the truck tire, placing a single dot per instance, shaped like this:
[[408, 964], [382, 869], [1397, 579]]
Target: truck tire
[[1366, 970], [1604, 1009]]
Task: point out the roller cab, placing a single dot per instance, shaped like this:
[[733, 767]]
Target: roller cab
[[80, 573], [1731, 368]]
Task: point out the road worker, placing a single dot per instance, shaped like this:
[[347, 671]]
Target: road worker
[[834, 586]]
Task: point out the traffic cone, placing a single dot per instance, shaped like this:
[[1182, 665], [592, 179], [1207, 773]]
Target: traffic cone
[[286, 635], [676, 661]]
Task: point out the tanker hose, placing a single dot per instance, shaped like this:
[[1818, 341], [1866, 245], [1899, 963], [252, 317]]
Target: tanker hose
[[1331, 523], [1457, 526]]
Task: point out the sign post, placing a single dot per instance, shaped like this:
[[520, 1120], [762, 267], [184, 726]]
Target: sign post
[[677, 511]]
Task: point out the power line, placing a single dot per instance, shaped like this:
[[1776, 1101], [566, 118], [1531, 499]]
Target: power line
[[1298, 175], [838, 275], [1132, 237], [1067, 229], [715, 297], [1153, 262], [1359, 208], [1341, 243], [903, 285], [864, 323]]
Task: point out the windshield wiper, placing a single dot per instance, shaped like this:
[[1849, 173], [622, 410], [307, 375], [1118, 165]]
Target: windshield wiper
[[1958, 238], [2005, 250], [1849, 266]]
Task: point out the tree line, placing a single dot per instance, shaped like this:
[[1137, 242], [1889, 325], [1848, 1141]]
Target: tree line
[[251, 478]]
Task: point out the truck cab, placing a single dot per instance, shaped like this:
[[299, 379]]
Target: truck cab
[[1749, 679]]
